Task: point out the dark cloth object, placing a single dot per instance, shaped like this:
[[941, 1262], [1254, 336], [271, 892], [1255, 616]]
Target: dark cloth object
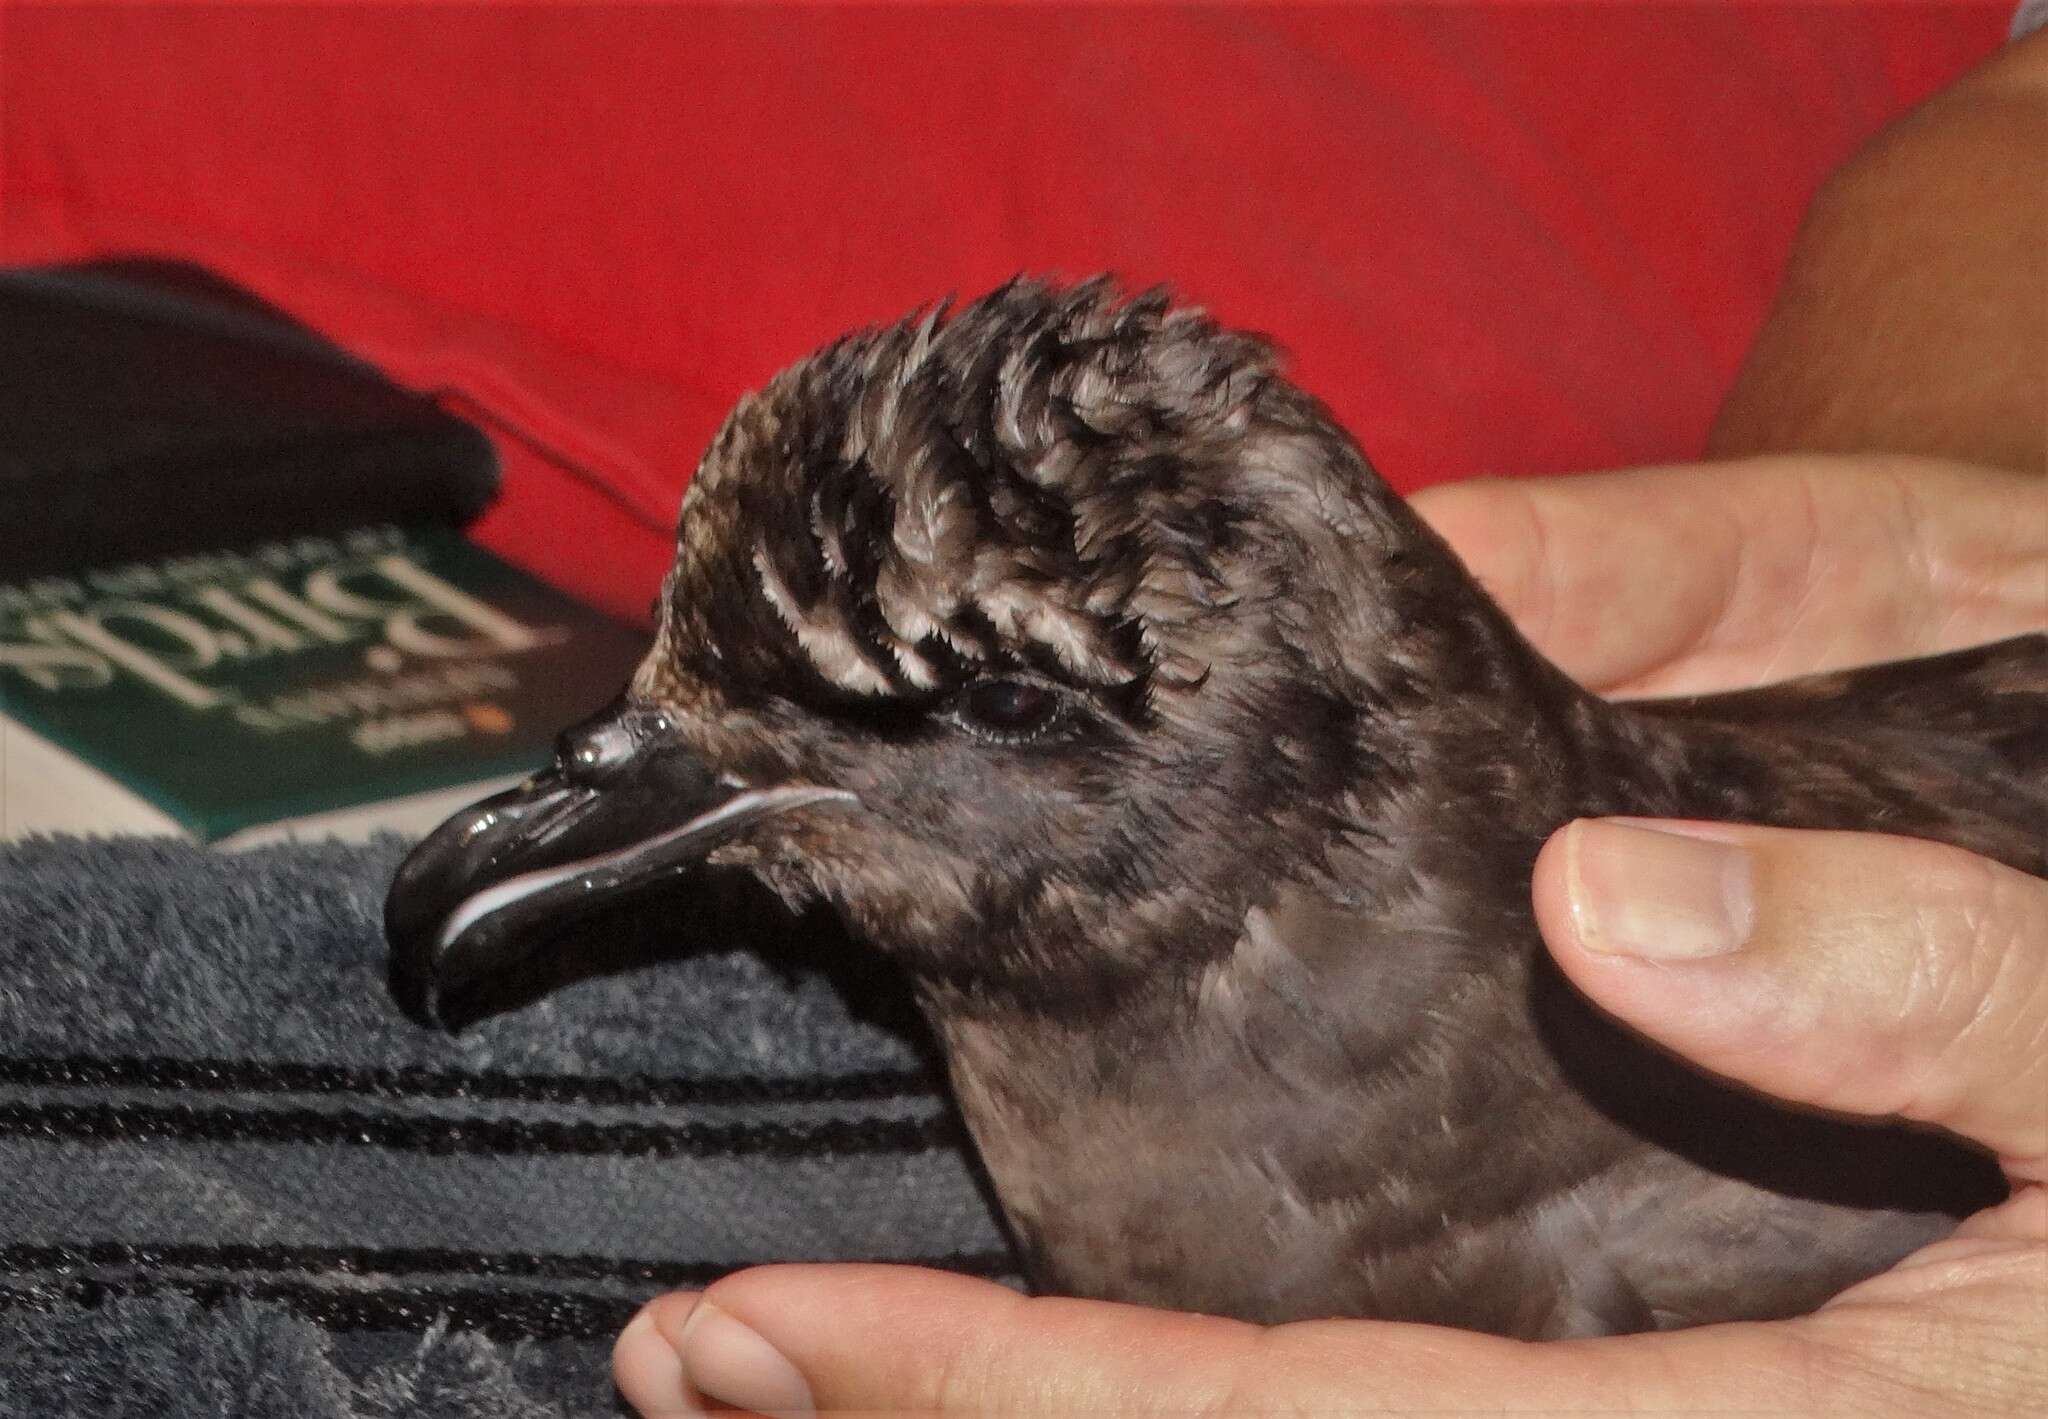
[[149, 409], [234, 1180]]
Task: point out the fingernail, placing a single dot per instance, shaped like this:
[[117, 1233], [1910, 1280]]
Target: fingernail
[[1656, 893], [649, 1370], [730, 1363]]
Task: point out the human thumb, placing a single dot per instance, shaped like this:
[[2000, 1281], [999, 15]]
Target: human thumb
[[1869, 974]]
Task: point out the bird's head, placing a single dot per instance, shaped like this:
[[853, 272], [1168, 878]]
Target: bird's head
[[1040, 639]]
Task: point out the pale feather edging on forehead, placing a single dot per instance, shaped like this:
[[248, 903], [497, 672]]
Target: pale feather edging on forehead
[[1041, 479]]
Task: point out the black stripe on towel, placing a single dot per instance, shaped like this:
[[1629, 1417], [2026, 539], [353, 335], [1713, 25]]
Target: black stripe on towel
[[188, 1123], [244, 1076], [503, 1315], [413, 1261]]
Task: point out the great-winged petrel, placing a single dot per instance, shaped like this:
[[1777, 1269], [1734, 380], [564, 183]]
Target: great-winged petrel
[[1084, 666]]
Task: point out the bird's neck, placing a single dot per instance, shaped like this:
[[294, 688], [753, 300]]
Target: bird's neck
[[1377, 990], [1471, 770]]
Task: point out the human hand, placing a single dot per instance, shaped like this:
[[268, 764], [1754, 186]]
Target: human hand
[[1718, 576], [1866, 974]]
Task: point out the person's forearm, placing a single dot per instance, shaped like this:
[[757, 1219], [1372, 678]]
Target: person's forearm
[[1913, 316]]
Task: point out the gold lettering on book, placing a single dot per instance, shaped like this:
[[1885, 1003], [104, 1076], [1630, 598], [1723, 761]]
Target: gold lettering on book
[[201, 647], [318, 622], [265, 632], [220, 611], [50, 665], [330, 589]]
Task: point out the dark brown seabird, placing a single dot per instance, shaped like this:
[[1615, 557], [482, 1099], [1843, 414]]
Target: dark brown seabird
[[1084, 666]]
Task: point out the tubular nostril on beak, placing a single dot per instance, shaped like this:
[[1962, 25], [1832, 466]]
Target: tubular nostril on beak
[[589, 756], [594, 753]]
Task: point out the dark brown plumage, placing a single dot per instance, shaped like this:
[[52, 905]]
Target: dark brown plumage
[[1083, 665]]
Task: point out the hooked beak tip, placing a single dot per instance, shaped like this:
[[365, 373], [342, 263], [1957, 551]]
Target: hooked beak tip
[[493, 885]]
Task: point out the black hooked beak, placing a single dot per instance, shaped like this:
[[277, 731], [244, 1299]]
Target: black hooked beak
[[624, 804]]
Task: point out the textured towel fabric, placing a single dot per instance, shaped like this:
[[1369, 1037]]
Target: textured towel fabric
[[234, 1180]]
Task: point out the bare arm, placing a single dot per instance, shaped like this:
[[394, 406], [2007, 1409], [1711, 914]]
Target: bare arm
[[1913, 317]]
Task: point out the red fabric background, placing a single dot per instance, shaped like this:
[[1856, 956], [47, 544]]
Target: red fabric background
[[1497, 238]]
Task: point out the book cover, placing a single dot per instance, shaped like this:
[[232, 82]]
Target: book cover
[[325, 681]]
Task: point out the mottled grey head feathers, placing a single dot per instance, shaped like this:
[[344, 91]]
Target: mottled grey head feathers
[[1059, 480], [1057, 586]]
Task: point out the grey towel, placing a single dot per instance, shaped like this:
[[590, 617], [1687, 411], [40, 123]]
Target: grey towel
[[233, 1180]]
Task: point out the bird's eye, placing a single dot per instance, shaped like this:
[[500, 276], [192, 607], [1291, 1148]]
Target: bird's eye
[[1009, 709]]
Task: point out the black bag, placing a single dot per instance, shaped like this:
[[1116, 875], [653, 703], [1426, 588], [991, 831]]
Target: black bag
[[150, 408]]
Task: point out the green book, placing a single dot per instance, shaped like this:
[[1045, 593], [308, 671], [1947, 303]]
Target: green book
[[373, 678]]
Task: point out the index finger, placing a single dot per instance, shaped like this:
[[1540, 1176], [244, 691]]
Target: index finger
[[1711, 576], [899, 1341]]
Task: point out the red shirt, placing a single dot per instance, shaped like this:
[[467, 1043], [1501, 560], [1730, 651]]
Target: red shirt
[[1498, 239]]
